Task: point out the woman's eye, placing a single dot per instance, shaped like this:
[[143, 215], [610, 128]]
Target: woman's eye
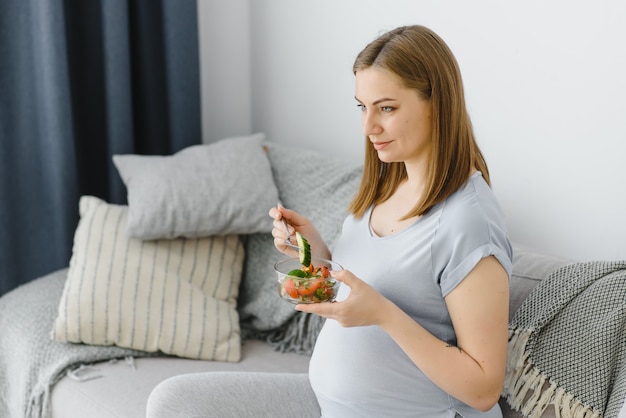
[[384, 109]]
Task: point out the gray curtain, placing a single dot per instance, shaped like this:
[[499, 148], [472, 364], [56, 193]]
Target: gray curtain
[[80, 81]]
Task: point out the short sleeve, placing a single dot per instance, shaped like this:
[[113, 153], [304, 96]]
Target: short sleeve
[[472, 227]]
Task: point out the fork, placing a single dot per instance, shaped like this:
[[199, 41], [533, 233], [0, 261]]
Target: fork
[[287, 242]]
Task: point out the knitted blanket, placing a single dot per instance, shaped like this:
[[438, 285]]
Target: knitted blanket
[[567, 344], [30, 361]]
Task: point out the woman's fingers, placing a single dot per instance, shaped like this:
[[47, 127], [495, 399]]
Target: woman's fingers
[[280, 232]]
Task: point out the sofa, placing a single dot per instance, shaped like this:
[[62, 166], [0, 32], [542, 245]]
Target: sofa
[[198, 292]]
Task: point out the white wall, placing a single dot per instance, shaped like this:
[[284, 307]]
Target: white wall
[[224, 34], [545, 87]]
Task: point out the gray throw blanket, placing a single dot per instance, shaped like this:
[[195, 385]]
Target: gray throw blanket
[[567, 344], [30, 362]]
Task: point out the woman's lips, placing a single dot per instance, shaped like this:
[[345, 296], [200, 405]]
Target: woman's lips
[[380, 145]]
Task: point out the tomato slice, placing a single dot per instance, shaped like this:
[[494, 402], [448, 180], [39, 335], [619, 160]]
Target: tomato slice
[[290, 288], [310, 288]]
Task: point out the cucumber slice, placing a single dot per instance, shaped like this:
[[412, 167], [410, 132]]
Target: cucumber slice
[[304, 250]]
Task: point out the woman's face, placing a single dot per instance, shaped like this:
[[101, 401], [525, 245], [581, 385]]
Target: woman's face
[[396, 119]]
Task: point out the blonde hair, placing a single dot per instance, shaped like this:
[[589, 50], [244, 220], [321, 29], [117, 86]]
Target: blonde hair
[[422, 61]]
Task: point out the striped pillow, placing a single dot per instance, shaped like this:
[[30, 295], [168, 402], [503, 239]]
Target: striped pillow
[[175, 296]]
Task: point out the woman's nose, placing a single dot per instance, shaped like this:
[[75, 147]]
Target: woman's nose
[[370, 124]]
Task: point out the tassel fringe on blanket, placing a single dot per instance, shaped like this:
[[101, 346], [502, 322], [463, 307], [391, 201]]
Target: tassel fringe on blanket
[[529, 391], [566, 345]]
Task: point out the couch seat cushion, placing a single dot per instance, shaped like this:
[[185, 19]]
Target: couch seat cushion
[[117, 389]]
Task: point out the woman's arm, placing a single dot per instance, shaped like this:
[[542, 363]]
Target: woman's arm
[[474, 370]]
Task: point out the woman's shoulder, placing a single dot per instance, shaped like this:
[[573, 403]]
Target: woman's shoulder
[[472, 208], [474, 196]]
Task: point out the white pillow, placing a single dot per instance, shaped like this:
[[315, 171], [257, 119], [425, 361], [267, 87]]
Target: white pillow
[[215, 189], [174, 296]]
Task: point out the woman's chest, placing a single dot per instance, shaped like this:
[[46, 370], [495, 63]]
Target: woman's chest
[[388, 219], [398, 266]]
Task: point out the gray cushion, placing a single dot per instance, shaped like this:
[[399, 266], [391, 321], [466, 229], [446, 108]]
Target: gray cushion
[[529, 268], [217, 189]]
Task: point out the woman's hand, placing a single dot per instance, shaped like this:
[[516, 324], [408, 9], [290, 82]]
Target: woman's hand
[[296, 222], [363, 306]]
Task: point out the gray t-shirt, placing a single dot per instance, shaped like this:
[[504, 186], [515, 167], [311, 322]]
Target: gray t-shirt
[[361, 371]]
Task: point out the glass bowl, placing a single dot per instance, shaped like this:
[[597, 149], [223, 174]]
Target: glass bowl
[[316, 289]]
